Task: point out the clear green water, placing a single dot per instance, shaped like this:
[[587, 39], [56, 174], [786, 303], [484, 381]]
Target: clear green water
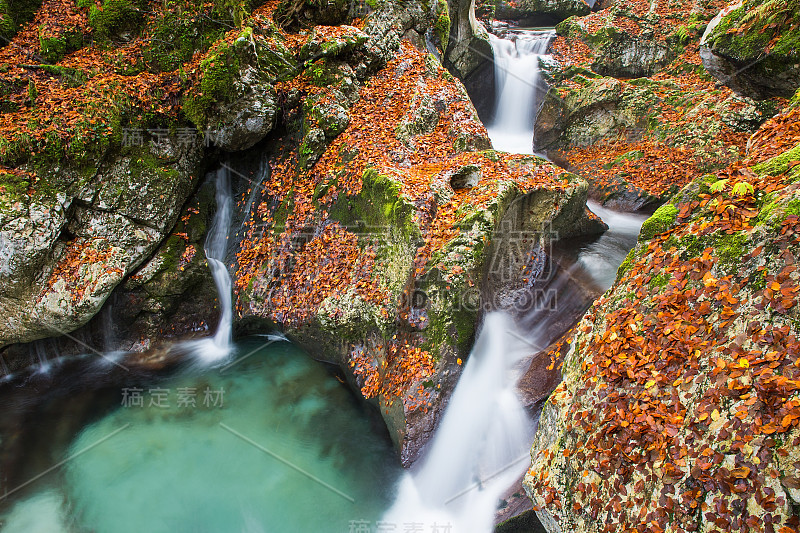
[[288, 450]]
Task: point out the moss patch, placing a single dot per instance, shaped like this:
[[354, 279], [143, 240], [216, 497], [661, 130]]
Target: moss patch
[[114, 17], [15, 13], [778, 164], [442, 25], [219, 71], [660, 222]]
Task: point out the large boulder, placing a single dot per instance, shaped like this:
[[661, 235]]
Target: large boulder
[[296, 14], [67, 250], [377, 256], [612, 131], [469, 55], [232, 98], [679, 408], [626, 48], [468, 47], [752, 47]]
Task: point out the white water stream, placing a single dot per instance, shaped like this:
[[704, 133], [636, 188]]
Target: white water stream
[[216, 248], [481, 445], [518, 85]]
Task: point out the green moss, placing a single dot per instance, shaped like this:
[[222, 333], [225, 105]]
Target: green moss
[[659, 281], [378, 205], [55, 48], [33, 92], [779, 164], [690, 246], [745, 33], [795, 101], [114, 17], [730, 249], [628, 156], [492, 155], [690, 31], [766, 208], [173, 39], [660, 222], [627, 264], [14, 189], [15, 13], [219, 71], [145, 164], [325, 72], [794, 207], [173, 36], [442, 25]]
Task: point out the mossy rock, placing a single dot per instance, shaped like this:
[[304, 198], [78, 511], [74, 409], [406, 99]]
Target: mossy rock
[[115, 17], [660, 222], [755, 49], [219, 72], [441, 27], [294, 14], [779, 164], [341, 45], [55, 48], [539, 11]]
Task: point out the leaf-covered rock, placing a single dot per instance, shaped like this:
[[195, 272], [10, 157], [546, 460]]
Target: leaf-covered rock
[[680, 407]]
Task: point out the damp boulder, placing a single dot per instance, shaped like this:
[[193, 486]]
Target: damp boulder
[[753, 47], [678, 408], [408, 223], [66, 251]]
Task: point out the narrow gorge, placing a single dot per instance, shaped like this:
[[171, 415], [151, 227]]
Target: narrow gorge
[[436, 266]]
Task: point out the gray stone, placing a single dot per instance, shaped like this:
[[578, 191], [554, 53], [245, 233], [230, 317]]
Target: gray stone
[[466, 177]]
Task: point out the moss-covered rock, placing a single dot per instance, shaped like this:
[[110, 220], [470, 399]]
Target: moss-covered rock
[[14, 13], [114, 17], [539, 12], [54, 47], [660, 222], [752, 47], [618, 52], [73, 242], [303, 13]]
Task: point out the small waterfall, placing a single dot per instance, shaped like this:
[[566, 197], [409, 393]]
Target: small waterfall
[[518, 87], [481, 445], [216, 248]]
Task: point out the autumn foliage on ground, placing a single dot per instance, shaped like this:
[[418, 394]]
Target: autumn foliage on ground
[[684, 139], [681, 399]]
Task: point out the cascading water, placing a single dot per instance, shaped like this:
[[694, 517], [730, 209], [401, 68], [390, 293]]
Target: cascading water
[[602, 258], [219, 346], [518, 85], [481, 444]]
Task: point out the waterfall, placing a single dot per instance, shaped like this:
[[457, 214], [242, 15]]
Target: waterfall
[[216, 248], [518, 87], [481, 445]]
